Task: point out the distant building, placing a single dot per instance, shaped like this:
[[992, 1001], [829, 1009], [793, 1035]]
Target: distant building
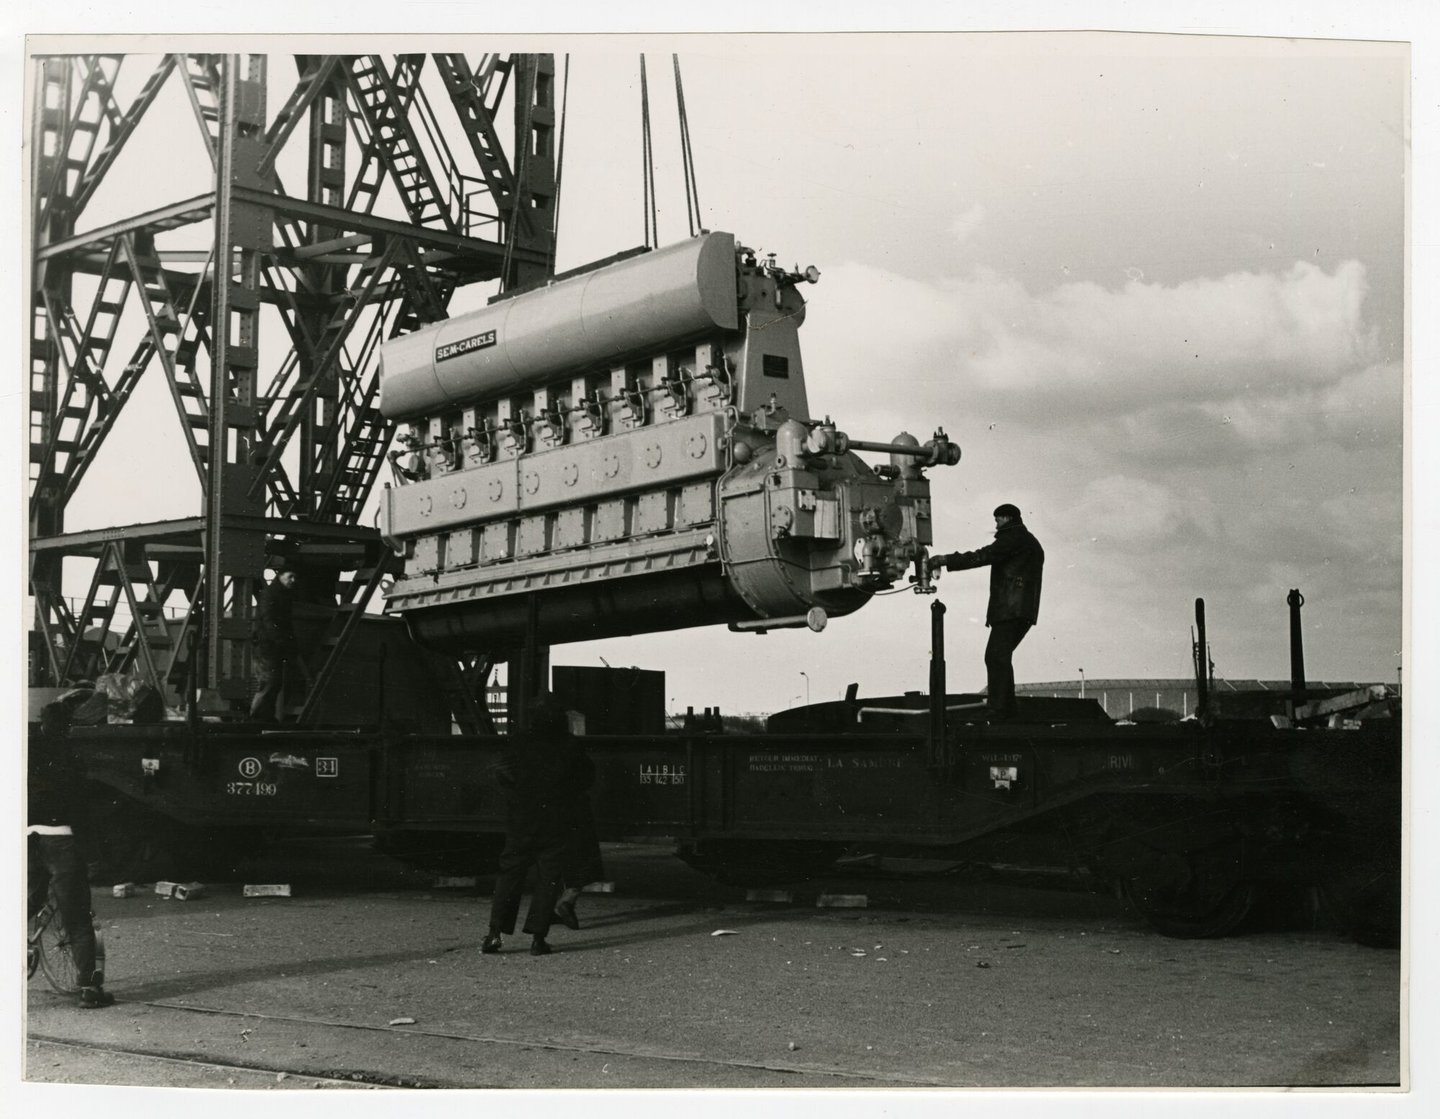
[[1122, 698], [497, 700]]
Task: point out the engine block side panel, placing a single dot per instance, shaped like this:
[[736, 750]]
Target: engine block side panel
[[576, 473]]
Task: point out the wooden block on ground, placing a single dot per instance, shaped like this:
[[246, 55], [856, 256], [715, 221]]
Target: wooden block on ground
[[276, 890]]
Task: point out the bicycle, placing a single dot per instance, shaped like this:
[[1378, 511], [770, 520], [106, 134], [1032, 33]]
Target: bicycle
[[47, 949]]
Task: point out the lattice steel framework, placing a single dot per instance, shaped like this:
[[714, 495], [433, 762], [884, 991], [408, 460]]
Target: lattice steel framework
[[283, 427]]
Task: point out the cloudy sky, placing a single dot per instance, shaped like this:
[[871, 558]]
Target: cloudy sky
[[1152, 284]]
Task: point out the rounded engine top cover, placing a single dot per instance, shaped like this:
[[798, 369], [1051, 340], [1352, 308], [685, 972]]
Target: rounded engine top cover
[[633, 306]]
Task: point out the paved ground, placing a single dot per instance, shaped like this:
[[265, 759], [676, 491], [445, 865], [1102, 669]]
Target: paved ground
[[370, 977]]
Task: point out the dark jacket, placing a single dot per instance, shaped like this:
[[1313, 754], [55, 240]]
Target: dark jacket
[[545, 781], [1015, 561], [56, 781], [274, 627]]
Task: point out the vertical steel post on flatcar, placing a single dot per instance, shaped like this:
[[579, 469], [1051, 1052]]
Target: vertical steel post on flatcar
[[1297, 645], [1202, 664], [936, 743]]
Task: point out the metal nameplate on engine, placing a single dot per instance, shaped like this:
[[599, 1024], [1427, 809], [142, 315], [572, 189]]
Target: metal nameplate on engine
[[483, 340]]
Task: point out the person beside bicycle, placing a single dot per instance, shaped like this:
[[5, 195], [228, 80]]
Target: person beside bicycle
[[55, 863]]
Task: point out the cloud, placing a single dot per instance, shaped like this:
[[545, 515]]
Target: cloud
[[965, 225], [1363, 409], [1082, 347], [1367, 406], [1124, 513]]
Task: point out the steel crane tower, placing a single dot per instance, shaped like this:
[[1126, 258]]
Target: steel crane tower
[[267, 340]]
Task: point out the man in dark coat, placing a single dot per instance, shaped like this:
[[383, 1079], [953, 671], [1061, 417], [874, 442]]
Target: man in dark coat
[[273, 646], [1015, 561], [55, 865], [545, 776]]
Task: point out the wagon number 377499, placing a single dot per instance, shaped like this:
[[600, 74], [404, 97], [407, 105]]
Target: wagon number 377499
[[251, 788]]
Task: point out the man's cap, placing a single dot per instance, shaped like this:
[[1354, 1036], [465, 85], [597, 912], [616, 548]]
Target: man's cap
[[1006, 510]]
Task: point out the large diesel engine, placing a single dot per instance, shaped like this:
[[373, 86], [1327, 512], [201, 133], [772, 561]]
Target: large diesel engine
[[629, 449]]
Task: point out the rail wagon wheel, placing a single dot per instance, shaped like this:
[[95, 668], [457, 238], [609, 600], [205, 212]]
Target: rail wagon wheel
[[1202, 895], [1188, 916], [1180, 867]]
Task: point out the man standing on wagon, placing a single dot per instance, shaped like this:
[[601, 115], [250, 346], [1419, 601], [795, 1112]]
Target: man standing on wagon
[[1016, 561]]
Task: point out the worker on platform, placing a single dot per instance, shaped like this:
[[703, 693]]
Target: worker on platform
[[273, 645], [545, 776], [54, 860], [1015, 560]]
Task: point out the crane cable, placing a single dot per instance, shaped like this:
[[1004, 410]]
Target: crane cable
[[647, 156], [692, 189], [559, 171]]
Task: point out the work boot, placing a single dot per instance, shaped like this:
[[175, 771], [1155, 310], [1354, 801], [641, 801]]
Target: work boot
[[565, 911], [538, 947], [95, 998], [491, 944]]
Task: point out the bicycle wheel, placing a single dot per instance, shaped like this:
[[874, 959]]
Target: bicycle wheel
[[32, 945], [99, 952], [56, 959]]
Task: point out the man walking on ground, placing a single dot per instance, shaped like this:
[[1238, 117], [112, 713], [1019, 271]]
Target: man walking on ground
[[545, 777], [1015, 561]]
